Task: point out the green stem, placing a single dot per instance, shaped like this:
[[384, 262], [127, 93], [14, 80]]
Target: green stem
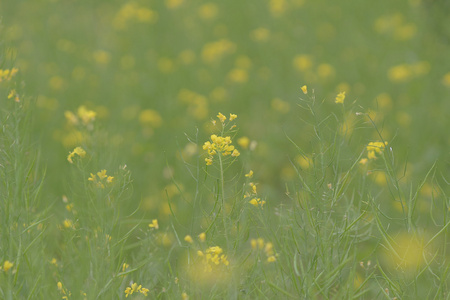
[[222, 187]]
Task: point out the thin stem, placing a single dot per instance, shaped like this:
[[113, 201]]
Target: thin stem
[[222, 187]]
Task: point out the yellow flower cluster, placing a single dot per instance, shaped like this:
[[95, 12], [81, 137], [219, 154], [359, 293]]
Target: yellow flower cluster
[[64, 292], [259, 244], [215, 51], [219, 144], [132, 11], [13, 94], [7, 74], [85, 116], [101, 178], [374, 149], [213, 256], [253, 194], [136, 288], [78, 151]]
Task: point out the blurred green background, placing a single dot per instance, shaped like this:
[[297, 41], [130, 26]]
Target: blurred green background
[[157, 70]]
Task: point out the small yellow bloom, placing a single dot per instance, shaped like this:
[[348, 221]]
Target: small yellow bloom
[[125, 266], [154, 224], [202, 236], [102, 174], [221, 117], [304, 89], [188, 239], [235, 153], [363, 161], [271, 259], [249, 174], [184, 296], [232, 117], [92, 178], [7, 265], [78, 151], [109, 179], [208, 161], [68, 223], [340, 97]]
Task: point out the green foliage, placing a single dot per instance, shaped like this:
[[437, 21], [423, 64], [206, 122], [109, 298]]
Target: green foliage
[[124, 174]]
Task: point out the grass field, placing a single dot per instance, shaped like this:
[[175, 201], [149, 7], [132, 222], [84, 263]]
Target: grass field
[[271, 149]]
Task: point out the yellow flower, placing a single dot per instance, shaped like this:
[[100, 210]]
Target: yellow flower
[[271, 258], [109, 179], [221, 117], [188, 239], [92, 178], [78, 151], [235, 153], [304, 89], [249, 174], [154, 224], [340, 97], [257, 202], [184, 296], [7, 265], [232, 117], [202, 236], [102, 174]]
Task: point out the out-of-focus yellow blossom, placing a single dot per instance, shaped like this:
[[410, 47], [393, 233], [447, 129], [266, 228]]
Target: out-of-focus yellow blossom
[[407, 254], [188, 239], [303, 62], [56, 83], [446, 79], [340, 97], [101, 57], [7, 74], [68, 224], [405, 72], [150, 117], [135, 288], [238, 75], [249, 174], [7, 265], [396, 27], [165, 65], [54, 262], [244, 142], [260, 34], [172, 4], [212, 258], [197, 104], [202, 236], [186, 57], [278, 7], [305, 162], [260, 244], [184, 296], [125, 266], [78, 151], [131, 11], [13, 94], [208, 11], [280, 105], [154, 224], [232, 117], [304, 89], [325, 71], [374, 149], [63, 291], [218, 94], [215, 51], [257, 202]]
